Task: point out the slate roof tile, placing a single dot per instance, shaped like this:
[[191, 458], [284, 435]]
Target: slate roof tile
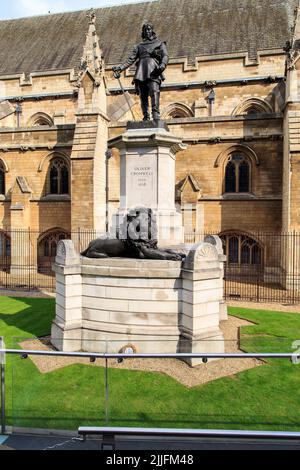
[[190, 27]]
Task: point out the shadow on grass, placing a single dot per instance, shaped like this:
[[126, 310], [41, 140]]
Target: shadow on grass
[[32, 316]]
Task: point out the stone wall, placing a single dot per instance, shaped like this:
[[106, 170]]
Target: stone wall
[[27, 150]]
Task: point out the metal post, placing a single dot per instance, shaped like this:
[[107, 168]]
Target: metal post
[[106, 391], [3, 425], [294, 261], [2, 362]]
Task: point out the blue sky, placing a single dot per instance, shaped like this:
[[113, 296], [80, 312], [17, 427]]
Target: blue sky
[[20, 8]]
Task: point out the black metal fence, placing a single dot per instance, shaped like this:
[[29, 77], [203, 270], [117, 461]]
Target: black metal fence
[[27, 256], [260, 266]]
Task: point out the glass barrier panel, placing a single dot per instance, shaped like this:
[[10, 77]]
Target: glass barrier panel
[[231, 393], [51, 392]]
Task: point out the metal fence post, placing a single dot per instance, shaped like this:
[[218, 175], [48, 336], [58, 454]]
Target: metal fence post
[[106, 391], [2, 363]]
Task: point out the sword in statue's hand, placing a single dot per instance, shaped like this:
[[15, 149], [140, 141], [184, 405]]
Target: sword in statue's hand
[[117, 74]]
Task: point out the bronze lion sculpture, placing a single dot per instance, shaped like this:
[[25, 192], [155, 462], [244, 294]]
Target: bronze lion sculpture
[[137, 238]]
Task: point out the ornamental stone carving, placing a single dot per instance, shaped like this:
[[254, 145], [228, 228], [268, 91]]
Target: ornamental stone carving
[[66, 254], [199, 254], [216, 241], [207, 251]]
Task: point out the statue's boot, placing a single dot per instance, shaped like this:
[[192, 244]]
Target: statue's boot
[[145, 108], [155, 105]]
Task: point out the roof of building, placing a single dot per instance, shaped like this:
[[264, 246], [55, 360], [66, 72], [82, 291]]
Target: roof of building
[[190, 27]]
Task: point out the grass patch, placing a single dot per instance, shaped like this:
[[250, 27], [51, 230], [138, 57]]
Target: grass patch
[[266, 397]]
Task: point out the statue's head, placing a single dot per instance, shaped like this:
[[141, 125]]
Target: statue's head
[[148, 32]]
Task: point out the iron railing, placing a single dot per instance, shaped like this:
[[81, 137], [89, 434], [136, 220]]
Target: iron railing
[[260, 266]]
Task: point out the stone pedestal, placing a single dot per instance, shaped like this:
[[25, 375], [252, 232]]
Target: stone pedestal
[[151, 306], [202, 295], [147, 169]]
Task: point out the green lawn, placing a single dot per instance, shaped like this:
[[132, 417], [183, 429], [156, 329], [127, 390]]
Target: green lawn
[[267, 397]]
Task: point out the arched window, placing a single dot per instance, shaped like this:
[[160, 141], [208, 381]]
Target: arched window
[[241, 250], [40, 119], [58, 177], [41, 122], [253, 106], [177, 111], [252, 110], [237, 174], [47, 247], [2, 179]]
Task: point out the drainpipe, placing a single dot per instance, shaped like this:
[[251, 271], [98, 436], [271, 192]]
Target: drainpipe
[[211, 99], [18, 113]]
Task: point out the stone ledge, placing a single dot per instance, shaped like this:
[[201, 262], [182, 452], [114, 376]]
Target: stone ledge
[[159, 330], [130, 283], [132, 263], [66, 270], [70, 325], [207, 334], [131, 272], [196, 311]]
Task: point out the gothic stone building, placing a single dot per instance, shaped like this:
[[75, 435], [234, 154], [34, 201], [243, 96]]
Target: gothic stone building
[[231, 93]]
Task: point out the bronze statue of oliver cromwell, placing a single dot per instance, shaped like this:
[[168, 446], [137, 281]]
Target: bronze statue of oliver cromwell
[[151, 59]]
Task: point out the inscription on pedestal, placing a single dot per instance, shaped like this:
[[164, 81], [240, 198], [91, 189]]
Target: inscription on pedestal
[[141, 181]]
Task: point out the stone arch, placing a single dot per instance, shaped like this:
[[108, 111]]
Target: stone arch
[[248, 151], [40, 119], [242, 249], [4, 164], [3, 171], [177, 110], [258, 105], [47, 247], [50, 156]]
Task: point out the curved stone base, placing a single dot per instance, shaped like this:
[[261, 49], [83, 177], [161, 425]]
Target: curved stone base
[[150, 306]]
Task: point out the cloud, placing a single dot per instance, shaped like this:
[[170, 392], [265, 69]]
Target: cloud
[[40, 7]]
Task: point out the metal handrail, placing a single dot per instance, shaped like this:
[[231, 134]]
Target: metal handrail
[[90, 430], [109, 434], [28, 352], [94, 430], [24, 353]]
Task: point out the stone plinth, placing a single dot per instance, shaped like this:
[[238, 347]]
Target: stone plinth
[[153, 306], [147, 169], [202, 298]]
